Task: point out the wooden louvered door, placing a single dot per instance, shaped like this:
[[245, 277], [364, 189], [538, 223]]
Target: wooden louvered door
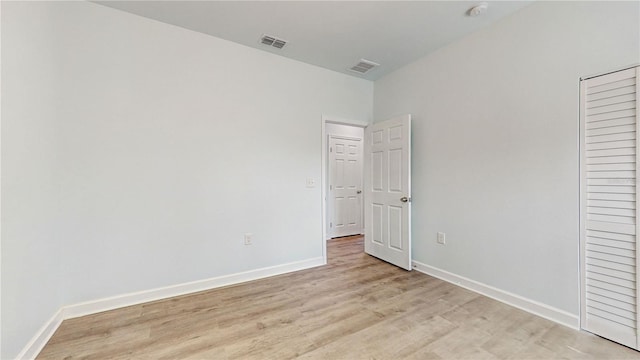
[[609, 214]]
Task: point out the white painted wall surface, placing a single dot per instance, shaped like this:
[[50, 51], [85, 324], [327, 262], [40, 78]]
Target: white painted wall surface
[[30, 264], [135, 155], [495, 143]]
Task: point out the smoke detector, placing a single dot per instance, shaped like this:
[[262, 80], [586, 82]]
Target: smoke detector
[[363, 66], [273, 41], [478, 10]]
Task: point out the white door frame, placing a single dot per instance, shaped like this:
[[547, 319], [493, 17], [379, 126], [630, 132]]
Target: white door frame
[[323, 166]]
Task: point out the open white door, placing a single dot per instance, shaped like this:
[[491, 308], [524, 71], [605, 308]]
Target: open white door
[[387, 191]]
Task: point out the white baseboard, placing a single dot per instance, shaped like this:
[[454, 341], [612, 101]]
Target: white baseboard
[[115, 302], [41, 338], [95, 306], [550, 313]]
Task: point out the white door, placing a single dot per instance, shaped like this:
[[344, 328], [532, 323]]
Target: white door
[[609, 206], [345, 186], [387, 189]]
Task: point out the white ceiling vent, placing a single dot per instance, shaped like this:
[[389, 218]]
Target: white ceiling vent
[[273, 41], [363, 66]]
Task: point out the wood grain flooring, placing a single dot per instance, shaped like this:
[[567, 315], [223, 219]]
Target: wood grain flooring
[[356, 307]]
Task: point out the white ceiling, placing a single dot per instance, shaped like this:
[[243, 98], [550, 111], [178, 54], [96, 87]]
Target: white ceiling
[[331, 34]]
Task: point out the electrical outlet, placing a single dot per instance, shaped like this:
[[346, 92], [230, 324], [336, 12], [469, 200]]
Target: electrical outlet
[[248, 239], [441, 238]]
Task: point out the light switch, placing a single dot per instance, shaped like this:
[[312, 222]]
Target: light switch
[[311, 182]]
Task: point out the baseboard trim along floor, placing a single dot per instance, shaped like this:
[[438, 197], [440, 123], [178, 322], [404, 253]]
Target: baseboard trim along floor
[[522, 303], [37, 343], [355, 307]]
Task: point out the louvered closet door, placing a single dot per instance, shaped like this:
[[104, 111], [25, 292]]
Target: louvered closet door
[[609, 215]]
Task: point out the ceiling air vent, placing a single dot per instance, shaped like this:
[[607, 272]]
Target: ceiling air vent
[[273, 41], [363, 66]]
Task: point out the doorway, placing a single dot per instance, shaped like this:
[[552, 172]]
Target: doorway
[[343, 186], [383, 196]]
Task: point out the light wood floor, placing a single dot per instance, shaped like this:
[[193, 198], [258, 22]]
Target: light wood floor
[[356, 307]]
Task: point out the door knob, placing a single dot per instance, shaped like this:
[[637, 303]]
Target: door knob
[[405, 199], [359, 192]]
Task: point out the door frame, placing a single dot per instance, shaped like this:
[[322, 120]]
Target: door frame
[[324, 170]]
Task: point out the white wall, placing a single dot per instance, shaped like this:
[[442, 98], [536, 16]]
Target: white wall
[[495, 143], [135, 155], [30, 273]]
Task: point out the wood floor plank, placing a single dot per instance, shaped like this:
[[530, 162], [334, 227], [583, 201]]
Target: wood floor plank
[[355, 307]]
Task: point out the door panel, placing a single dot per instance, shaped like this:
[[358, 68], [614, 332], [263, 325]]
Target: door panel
[[388, 191], [345, 184], [608, 217]]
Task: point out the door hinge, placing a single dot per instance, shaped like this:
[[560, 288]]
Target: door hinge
[[330, 187], [331, 149], [330, 224]]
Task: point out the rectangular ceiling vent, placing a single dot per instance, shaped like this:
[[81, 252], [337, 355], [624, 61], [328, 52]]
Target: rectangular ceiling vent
[[363, 66], [273, 41]]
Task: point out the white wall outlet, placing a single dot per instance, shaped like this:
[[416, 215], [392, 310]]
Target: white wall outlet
[[311, 182], [441, 238], [248, 239]]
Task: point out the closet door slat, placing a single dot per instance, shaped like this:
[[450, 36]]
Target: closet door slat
[[608, 211]]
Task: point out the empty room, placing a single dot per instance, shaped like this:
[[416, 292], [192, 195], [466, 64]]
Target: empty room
[[319, 179]]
